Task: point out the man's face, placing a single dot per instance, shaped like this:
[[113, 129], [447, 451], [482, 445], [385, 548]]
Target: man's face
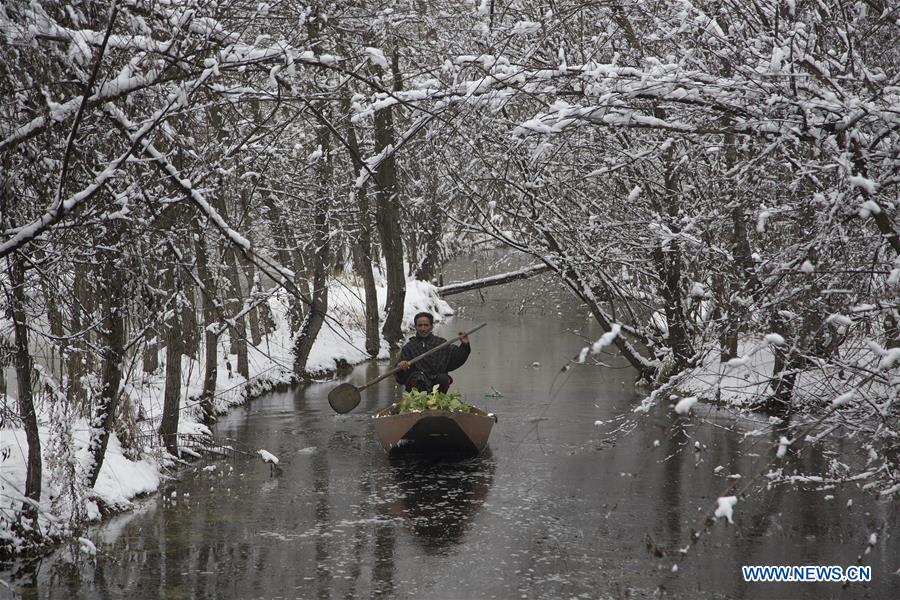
[[423, 326]]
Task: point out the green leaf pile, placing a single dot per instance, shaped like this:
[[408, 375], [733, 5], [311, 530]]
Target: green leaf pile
[[416, 401]]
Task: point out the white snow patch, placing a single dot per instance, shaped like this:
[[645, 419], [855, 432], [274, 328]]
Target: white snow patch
[[839, 319], [762, 220], [376, 57], [726, 507], [868, 208], [605, 340], [525, 28], [890, 358], [684, 405], [843, 398], [267, 456], [863, 183], [774, 339], [783, 444], [87, 546], [634, 193]]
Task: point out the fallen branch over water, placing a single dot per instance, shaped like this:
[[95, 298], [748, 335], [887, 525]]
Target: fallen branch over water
[[475, 284]]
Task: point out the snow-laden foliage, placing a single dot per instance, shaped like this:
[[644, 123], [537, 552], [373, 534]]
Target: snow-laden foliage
[[717, 183]]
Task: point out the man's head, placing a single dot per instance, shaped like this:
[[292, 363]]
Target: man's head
[[424, 323]]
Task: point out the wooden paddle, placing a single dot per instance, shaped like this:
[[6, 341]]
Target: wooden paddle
[[346, 396]]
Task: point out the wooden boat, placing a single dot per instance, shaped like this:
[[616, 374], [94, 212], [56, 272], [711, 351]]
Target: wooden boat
[[434, 431]]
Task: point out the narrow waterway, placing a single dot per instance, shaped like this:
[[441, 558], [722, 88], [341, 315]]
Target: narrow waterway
[[573, 498]]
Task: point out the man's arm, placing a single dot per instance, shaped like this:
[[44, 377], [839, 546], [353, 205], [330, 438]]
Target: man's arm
[[459, 354], [403, 374]]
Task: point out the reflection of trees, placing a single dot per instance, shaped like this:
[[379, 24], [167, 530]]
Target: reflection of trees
[[440, 498], [670, 494], [383, 570]]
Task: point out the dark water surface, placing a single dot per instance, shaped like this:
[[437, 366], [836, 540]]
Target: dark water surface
[[559, 506]]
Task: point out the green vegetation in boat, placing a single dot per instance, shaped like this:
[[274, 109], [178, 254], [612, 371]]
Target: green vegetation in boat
[[416, 401]]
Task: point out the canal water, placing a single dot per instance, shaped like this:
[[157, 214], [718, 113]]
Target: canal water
[[575, 497]]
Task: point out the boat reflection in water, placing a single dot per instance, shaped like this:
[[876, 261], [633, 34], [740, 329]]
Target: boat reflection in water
[[438, 498]]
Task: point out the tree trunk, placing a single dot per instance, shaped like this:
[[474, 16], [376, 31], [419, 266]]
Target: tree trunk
[[168, 426], [54, 316], [253, 292], [211, 340], [113, 353], [189, 314], [431, 248], [387, 216], [24, 366], [784, 372], [289, 256], [669, 261], [236, 304], [363, 264], [150, 355], [362, 249], [75, 392], [431, 232], [742, 279], [150, 358], [315, 317]]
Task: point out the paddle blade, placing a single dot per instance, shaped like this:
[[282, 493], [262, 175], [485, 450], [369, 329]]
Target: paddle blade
[[344, 398]]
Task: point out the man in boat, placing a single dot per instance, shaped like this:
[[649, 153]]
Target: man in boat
[[433, 369]]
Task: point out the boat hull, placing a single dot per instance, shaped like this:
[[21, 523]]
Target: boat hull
[[433, 432]]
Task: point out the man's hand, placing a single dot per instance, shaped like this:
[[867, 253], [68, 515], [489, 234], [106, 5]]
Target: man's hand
[[463, 338], [403, 364]]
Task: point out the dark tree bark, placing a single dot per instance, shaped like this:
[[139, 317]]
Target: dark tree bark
[[430, 234], [76, 368], [103, 419], [210, 339], [669, 261], [315, 317], [55, 318], [784, 372], [248, 270], [430, 248], [87, 293], [362, 249], [387, 216], [363, 263], [24, 365], [252, 292], [168, 426], [743, 280], [150, 356], [290, 256], [235, 305], [189, 315]]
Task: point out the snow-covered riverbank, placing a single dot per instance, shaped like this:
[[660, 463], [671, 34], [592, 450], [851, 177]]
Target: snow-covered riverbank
[[136, 467]]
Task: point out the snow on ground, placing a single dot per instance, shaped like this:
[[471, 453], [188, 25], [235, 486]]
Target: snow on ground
[[739, 381], [747, 378], [121, 479]]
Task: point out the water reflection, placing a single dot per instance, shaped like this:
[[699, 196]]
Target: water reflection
[[438, 499]]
